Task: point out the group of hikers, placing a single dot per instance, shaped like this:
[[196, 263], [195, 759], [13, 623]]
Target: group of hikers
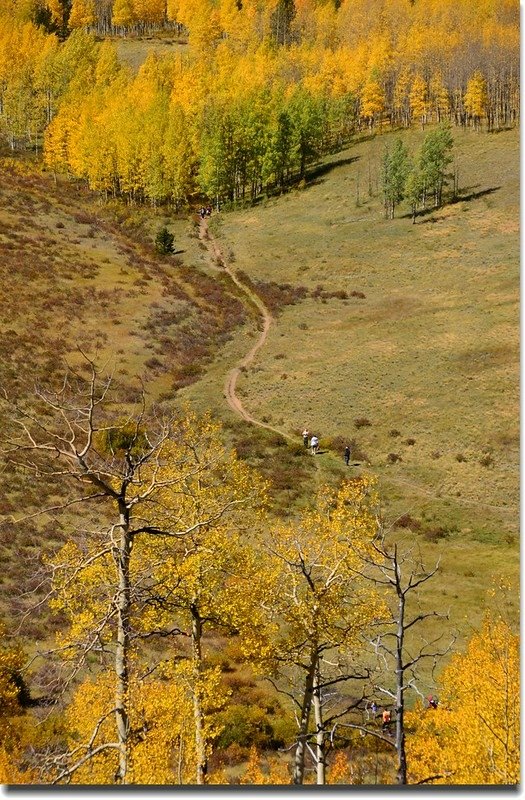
[[205, 211], [313, 444], [386, 715]]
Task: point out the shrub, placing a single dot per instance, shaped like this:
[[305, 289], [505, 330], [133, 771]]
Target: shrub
[[486, 460], [406, 521], [393, 457], [435, 534], [410, 442], [276, 440], [362, 422], [245, 726], [461, 457], [164, 241], [394, 432]]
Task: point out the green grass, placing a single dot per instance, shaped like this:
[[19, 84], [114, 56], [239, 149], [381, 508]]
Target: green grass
[[430, 352]]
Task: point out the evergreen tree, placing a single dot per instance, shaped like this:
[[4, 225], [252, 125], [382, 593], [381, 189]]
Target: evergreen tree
[[164, 241]]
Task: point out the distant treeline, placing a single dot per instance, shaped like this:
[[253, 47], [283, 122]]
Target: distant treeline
[[262, 91]]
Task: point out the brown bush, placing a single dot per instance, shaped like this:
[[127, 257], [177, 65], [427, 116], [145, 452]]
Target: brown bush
[[487, 460], [392, 458], [407, 521], [435, 534]]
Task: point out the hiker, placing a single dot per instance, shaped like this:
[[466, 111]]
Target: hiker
[[373, 708], [202, 212], [305, 434], [386, 719], [208, 211], [347, 455], [314, 444], [432, 702]]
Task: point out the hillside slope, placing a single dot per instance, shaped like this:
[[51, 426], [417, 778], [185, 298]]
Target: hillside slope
[[77, 275], [422, 372]]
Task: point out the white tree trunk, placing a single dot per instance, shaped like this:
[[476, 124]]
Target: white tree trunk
[[122, 648], [300, 750], [319, 735]]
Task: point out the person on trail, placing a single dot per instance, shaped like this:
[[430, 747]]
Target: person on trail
[[386, 719], [305, 435], [347, 455], [373, 708], [202, 212], [208, 211], [432, 702], [314, 444]]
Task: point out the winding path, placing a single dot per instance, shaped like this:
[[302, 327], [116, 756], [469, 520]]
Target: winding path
[[230, 384]]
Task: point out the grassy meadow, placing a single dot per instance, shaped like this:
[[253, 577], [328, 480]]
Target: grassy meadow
[[401, 338], [421, 372], [134, 50]]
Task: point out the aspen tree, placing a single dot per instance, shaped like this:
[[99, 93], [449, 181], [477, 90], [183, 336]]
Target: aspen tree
[[419, 100], [123, 14], [322, 607], [473, 735], [439, 97], [83, 14], [132, 484], [476, 99], [395, 167], [372, 102], [399, 650]]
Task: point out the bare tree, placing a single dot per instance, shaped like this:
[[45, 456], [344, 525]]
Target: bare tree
[[137, 478], [399, 651]]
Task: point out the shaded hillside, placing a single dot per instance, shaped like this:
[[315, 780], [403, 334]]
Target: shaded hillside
[[79, 275]]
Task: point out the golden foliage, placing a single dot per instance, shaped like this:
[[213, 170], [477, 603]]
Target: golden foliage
[[205, 120], [264, 771], [476, 97], [13, 727], [473, 736], [321, 601]]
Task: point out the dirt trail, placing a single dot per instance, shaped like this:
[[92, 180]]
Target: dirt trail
[[230, 384], [217, 257]]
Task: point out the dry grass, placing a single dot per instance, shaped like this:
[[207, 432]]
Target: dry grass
[[76, 274], [135, 50], [430, 351]]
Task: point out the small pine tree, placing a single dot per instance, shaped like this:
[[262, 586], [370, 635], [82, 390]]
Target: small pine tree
[[164, 241]]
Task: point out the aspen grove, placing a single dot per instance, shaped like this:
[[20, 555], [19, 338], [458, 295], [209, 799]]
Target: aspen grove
[[259, 93], [232, 602]]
